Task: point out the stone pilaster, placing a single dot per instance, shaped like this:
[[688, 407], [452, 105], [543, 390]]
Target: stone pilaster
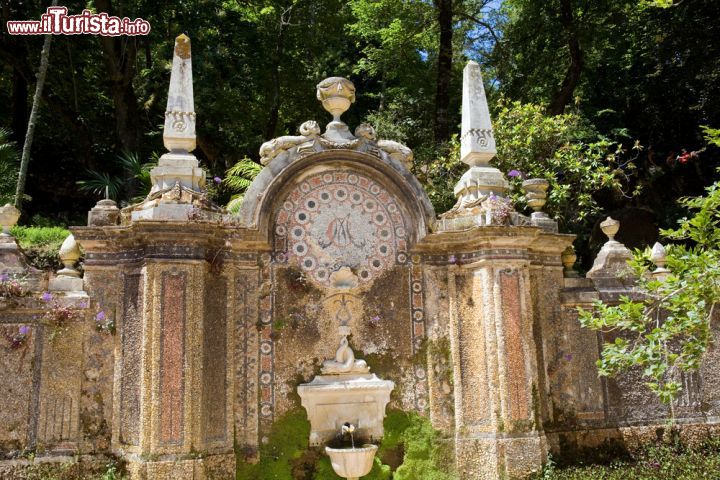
[[174, 383], [494, 309]]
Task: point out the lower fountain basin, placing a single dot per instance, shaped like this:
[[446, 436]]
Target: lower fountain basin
[[352, 463]]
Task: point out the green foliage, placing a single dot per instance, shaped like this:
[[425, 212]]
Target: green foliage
[[667, 331], [712, 135], [657, 3], [286, 455], [41, 244], [130, 180], [237, 180], [9, 165], [656, 463], [288, 441], [564, 150], [438, 168], [112, 472], [426, 455], [29, 237]]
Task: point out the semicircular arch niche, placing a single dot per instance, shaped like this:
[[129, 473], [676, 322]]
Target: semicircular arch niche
[[340, 217]]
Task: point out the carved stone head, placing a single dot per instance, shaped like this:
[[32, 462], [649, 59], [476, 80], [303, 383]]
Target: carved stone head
[[310, 129], [366, 131]]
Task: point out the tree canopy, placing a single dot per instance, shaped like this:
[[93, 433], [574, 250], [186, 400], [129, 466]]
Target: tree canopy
[[608, 99]]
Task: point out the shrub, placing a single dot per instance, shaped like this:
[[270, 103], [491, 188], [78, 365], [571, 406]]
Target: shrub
[[41, 245]]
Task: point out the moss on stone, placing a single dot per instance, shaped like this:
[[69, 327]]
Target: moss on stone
[[410, 437], [285, 450]]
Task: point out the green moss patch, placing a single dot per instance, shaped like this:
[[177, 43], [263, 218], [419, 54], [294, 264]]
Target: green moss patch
[[411, 449]]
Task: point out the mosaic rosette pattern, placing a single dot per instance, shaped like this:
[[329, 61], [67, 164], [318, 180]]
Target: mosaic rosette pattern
[[338, 219]]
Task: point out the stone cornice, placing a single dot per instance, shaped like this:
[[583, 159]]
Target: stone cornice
[[168, 240], [502, 240]]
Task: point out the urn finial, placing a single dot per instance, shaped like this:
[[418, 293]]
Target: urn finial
[[610, 227], [69, 255]]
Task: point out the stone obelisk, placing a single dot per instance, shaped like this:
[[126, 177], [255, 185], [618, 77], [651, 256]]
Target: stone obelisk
[[477, 142], [178, 178]]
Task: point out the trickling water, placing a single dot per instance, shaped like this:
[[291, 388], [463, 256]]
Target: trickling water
[[349, 428]]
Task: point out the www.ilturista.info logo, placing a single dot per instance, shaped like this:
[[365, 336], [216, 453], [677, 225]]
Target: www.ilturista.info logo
[[57, 22]]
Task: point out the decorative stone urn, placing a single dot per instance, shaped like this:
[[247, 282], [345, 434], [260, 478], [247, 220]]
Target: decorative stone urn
[[336, 95], [352, 463]]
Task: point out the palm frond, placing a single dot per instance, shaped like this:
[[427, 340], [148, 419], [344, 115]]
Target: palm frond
[[97, 182], [235, 203], [9, 152], [239, 177]]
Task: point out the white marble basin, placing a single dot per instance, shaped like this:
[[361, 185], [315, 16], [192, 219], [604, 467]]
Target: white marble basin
[[352, 463]]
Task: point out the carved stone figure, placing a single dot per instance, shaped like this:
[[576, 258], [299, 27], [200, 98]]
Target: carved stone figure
[[397, 151], [271, 149], [344, 361]]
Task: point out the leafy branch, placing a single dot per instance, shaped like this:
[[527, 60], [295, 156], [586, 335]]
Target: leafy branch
[[666, 332]]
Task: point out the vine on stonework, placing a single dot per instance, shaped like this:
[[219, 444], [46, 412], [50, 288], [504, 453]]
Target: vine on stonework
[[57, 315], [104, 323]]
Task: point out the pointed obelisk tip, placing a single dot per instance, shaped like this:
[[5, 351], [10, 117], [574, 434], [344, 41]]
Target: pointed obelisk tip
[[179, 131], [182, 46], [477, 142]]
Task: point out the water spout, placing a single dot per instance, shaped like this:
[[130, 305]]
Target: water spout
[[349, 428]]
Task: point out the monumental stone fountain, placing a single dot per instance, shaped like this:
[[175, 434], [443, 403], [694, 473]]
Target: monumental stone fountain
[[466, 320]]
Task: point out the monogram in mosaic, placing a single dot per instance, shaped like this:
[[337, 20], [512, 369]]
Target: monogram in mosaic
[[338, 219]]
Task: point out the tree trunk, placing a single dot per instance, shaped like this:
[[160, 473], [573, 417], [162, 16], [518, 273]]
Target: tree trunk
[[564, 96], [119, 54], [27, 145], [444, 70], [272, 122]]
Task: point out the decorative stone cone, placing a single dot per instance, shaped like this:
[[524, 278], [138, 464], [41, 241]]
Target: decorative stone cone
[[352, 463], [69, 255], [8, 218]]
